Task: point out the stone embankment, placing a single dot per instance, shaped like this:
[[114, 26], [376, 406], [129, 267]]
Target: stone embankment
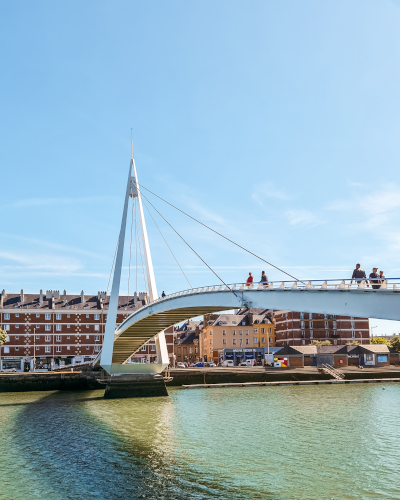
[[90, 380]]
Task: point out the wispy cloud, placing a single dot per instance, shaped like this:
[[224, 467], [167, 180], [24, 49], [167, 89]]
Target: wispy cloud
[[269, 190], [302, 217], [41, 202]]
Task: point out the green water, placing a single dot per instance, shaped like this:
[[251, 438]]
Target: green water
[[311, 442]]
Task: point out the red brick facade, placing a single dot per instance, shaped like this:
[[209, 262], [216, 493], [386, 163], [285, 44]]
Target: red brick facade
[[301, 328]]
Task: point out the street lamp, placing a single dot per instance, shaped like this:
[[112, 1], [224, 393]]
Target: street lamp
[[372, 329], [361, 336], [34, 349]]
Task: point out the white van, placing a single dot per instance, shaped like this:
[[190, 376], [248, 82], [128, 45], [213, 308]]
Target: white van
[[228, 362], [248, 362]]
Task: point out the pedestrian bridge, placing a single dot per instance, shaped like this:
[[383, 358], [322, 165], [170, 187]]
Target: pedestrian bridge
[[340, 297]]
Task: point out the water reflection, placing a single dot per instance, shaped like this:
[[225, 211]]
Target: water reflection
[[272, 443]]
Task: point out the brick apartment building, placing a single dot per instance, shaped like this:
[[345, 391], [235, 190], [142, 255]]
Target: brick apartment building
[[187, 342], [61, 329], [301, 328]]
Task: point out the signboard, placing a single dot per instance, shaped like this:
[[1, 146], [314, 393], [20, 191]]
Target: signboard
[[243, 350], [382, 359], [353, 356]]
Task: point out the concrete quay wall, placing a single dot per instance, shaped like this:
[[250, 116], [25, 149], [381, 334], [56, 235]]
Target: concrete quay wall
[[53, 381]]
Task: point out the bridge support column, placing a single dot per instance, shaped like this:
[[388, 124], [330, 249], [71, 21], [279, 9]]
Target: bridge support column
[[135, 386]]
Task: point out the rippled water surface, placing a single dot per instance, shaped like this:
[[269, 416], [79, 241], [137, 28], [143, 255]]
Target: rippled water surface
[[311, 442]]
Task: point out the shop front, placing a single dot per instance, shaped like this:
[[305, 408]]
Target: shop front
[[9, 363]]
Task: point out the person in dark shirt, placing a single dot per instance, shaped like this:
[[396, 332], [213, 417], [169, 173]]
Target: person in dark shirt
[[381, 277], [374, 278], [358, 274], [264, 278], [163, 294]]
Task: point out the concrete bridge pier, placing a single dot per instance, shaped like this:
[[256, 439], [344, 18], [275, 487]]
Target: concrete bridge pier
[[135, 386]]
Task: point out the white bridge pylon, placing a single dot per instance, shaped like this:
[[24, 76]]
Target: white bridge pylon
[[108, 356]]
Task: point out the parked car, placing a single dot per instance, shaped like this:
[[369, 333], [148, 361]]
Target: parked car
[[228, 362], [247, 362], [200, 364], [180, 365], [211, 364]]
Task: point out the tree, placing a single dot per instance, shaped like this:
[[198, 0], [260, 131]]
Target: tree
[[395, 343], [3, 337], [353, 342], [320, 342], [380, 340]]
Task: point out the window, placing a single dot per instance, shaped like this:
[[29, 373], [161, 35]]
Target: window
[[326, 325], [87, 315], [224, 341], [286, 316], [310, 315], [58, 348], [234, 341], [190, 350], [270, 340], [68, 315], [326, 334], [325, 316], [17, 315], [58, 316], [87, 326], [301, 315], [256, 340], [17, 348], [7, 328], [223, 332], [247, 341], [97, 316], [302, 325], [353, 334], [68, 348], [6, 316], [17, 337], [255, 330], [96, 328], [6, 350], [58, 338], [352, 324], [153, 347], [47, 348], [47, 328], [87, 348], [87, 336], [210, 332], [311, 325], [37, 337], [262, 330], [47, 316], [210, 341], [58, 328], [143, 348], [68, 337], [303, 342], [196, 350], [16, 326], [246, 332], [38, 315], [240, 332], [96, 348], [37, 348], [211, 351], [97, 338], [311, 334], [68, 326], [263, 340], [334, 325], [233, 332], [303, 333], [47, 338]]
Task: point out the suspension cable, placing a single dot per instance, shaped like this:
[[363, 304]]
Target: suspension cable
[[130, 250], [141, 258], [193, 250], [176, 260], [211, 229]]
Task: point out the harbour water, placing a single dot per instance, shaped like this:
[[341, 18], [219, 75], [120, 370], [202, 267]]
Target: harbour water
[[278, 443]]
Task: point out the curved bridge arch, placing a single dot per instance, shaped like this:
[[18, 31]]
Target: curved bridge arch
[[145, 323]]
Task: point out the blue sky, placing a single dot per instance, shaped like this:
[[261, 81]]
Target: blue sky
[[276, 122]]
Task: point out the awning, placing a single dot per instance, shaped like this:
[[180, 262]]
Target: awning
[[239, 355], [249, 356], [229, 355]]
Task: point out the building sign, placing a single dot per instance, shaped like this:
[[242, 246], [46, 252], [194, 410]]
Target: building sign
[[244, 350], [353, 356]]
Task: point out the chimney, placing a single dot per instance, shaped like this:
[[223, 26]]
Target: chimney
[[41, 297], [3, 294], [250, 315], [65, 297], [82, 297], [22, 296]]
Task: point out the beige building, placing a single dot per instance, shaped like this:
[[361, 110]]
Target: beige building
[[247, 328]]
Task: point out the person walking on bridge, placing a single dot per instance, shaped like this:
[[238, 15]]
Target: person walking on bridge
[[264, 277], [374, 279], [358, 274], [249, 280], [381, 277]]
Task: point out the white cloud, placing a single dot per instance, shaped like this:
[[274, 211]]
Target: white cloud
[[302, 217], [268, 190]]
